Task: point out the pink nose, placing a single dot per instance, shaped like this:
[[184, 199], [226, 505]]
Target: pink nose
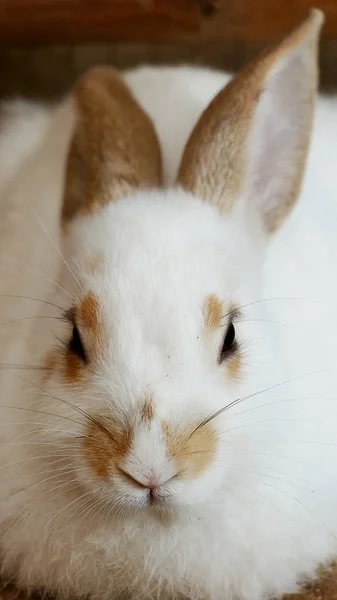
[[150, 484]]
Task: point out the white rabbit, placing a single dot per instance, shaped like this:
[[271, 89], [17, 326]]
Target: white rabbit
[[179, 440]]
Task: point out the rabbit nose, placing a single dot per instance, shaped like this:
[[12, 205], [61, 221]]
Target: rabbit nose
[[151, 483]]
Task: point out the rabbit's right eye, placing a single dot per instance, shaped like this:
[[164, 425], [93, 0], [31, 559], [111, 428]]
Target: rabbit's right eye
[[229, 345], [76, 345]]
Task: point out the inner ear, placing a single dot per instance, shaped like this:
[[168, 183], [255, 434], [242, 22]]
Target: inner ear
[[114, 149]]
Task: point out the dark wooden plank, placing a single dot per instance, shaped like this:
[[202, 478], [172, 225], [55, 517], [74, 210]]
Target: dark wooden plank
[[49, 71], [154, 21]]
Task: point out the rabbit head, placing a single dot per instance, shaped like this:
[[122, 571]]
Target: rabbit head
[[164, 333]]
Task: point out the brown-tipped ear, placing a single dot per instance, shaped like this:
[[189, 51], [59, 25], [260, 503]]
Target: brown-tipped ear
[[114, 147], [253, 138]]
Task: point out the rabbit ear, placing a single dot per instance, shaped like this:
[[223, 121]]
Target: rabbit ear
[[253, 138], [114, 149]]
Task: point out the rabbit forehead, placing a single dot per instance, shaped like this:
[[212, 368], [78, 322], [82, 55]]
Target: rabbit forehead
[[155, 274], [160, 236]]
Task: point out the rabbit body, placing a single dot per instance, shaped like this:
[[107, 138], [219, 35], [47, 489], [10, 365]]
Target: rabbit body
[[262, 516]]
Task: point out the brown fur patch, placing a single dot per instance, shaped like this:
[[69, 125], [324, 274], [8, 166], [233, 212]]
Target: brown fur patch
[[215, 161], [114, 149], [50, 360], [88, 312], [234, 364], [147, 412], [105, 448], [323, 587], [192, 453], [213, 311], [73, 368]]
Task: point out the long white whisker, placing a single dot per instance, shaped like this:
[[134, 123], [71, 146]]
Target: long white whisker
[[41, 412], [276, 420], [55, 246], [76, 408], [239, 400], [15, 522], [37, 317], [284, 400], [33, 269], [66, 507], [32, 299], [38, 457]]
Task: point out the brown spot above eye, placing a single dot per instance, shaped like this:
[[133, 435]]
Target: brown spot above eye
[[104, 450], [213, 312], [192, 453], [88, 311]]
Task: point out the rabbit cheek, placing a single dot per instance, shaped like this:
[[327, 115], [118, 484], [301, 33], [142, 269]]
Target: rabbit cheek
[[194, 453], [73, 370], [234, 365]]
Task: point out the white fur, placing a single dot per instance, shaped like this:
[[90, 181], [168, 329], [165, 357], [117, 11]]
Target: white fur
[[263, 515]]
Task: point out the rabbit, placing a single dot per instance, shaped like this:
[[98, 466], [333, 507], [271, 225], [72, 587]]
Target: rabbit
[[168, 411]]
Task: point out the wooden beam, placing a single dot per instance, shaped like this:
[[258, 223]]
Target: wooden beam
[[154, 21]]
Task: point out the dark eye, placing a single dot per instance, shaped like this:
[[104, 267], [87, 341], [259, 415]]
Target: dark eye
[[76, 346], [229, 343]]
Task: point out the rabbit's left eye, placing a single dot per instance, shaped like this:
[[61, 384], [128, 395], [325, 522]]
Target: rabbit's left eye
[[229, 345], [76, 345]]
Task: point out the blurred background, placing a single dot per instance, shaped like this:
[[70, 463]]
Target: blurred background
[[46, 44]]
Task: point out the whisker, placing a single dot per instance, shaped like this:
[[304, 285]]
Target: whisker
[[275, 420], [99, 504], [277, 472], [33, 269], [262, 321], [84, 502], [32, 458], [15, 522], [302, 505], [240, 400], [56, 470], [58, 444], [44, 424], [76, 408], [55, 246], [40, 412], [279, 298], [66, 507], [28, 318], [23, 367], [281, 402], [47, 302]]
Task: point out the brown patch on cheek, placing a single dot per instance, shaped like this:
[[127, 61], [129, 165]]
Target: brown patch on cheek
[[105, 449], [73, 368], [234, 365], [192, 453], [213, 312], [49, 362], [69, 366]]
